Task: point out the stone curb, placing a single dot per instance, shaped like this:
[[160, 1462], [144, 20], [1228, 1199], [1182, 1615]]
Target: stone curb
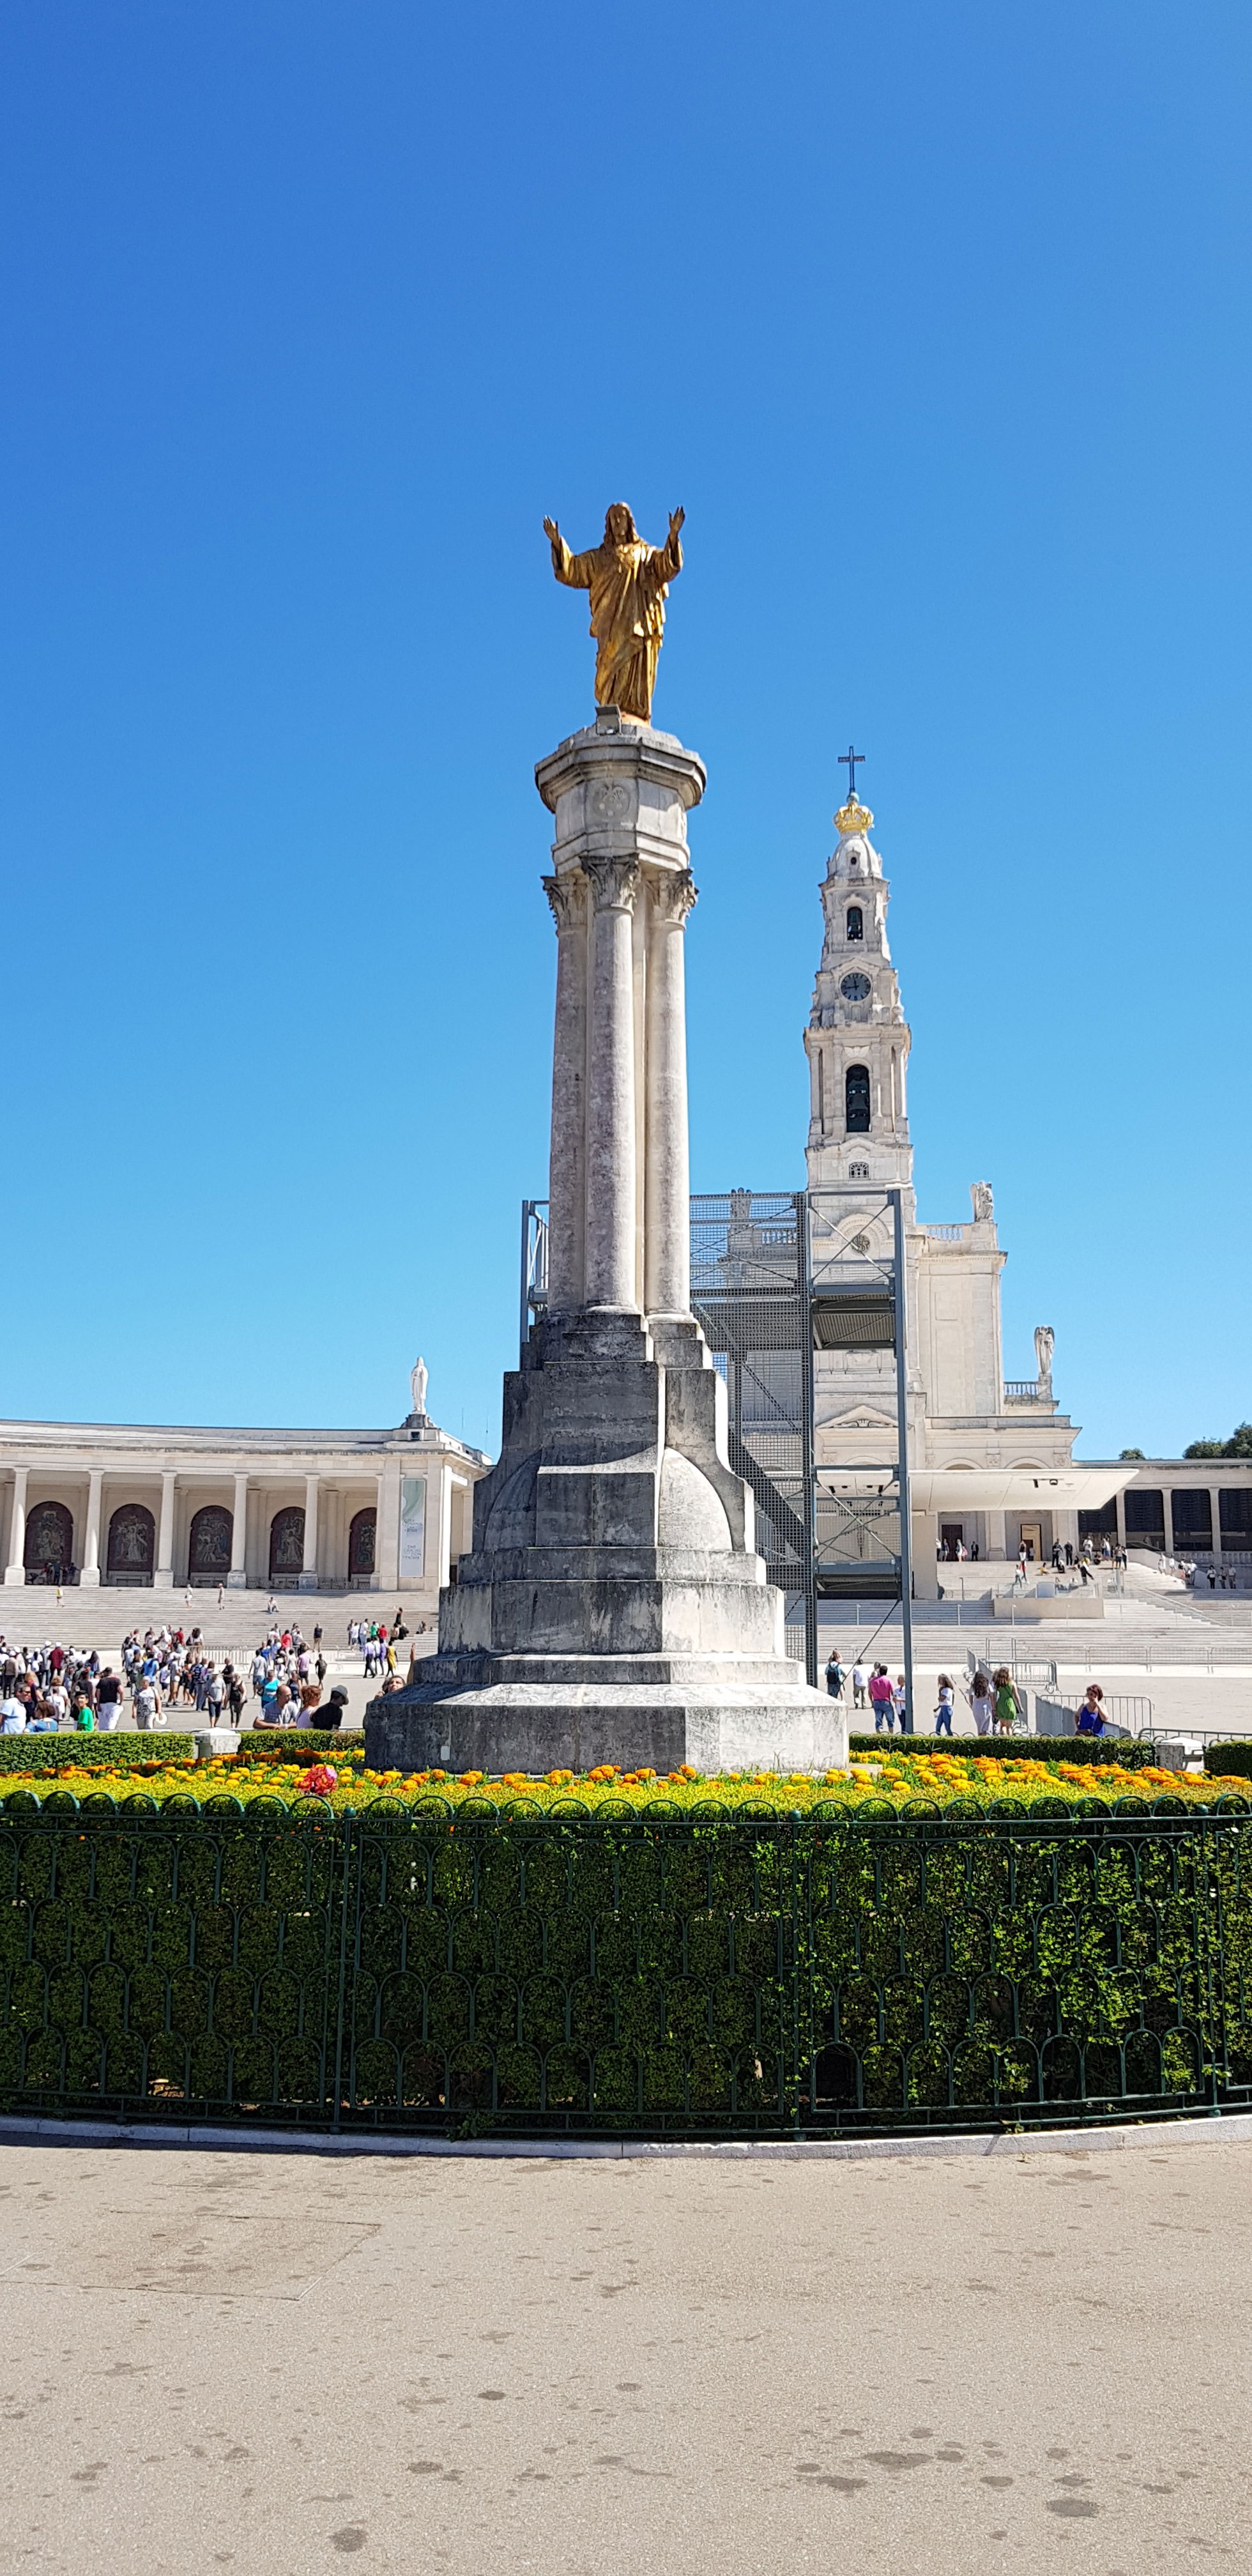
[[1232, 2128]]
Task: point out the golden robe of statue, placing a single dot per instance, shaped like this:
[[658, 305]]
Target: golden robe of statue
[[627, 581]]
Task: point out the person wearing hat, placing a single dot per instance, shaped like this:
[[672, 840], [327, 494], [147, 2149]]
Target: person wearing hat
[[333, 1714]]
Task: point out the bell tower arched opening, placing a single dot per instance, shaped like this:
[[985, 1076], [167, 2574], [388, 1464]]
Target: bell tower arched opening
[[856, 1100]]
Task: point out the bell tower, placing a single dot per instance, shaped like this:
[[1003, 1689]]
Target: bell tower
[[857, 1040]]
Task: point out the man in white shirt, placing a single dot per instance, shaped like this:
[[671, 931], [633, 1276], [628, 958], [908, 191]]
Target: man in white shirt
[[860, 1691], [12, 1717]]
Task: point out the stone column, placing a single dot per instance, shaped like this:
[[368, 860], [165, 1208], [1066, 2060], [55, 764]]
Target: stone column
[[927, 1572], [610, 1258], [308, 1571], [667, 1224], [237, 1578], [15, 1570], [387, 1540], [89, 1570], [1167, 1515], [567, 1166], [165, 1531], [1215, 1508], [447, 1480]]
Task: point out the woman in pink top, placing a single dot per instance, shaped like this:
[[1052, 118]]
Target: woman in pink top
[[880, 1698]]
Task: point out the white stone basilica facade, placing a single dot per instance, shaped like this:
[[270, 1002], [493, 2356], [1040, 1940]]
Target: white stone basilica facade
[[121, 1505]]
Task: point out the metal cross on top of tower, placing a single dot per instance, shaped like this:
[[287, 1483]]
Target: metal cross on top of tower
[[851, 761]]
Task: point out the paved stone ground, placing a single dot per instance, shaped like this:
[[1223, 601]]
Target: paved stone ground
[[275, 2363]]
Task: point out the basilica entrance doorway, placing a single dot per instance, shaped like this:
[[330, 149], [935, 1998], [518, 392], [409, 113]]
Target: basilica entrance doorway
[[209, 1546], [1032, 1541], [49, 1547], [287, 1545], [361, 1543], [132, 1544], [951, 1539]]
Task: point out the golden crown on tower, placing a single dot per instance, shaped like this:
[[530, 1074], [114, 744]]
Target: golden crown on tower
[[853, 817]]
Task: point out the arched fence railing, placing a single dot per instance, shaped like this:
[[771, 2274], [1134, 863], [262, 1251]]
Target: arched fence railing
[[695, 1974]]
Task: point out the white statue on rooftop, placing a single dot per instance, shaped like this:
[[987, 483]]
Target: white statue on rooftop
[[1045, 1344], [419, 1376]]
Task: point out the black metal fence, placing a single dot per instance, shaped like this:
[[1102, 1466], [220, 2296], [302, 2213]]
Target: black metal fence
[[698, 1974]]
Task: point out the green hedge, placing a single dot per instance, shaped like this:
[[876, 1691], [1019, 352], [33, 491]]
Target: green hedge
[[92, 1752], [297, 1743], [1022, 1748], [1229, 1761], [625, 1975]]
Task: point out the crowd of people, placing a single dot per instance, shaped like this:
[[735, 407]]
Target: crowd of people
[[380, 1647], [994, 1700], [169, 1671]]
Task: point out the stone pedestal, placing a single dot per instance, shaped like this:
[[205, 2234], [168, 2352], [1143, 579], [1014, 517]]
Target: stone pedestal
[[613, 1607]]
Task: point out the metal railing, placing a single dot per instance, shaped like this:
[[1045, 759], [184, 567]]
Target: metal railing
[[624, 1974], [1038, 1671]]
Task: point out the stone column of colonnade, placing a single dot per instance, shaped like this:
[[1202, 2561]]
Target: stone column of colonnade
[[89, 1570], [15, 1570], [610, 1279], [238, 1575], [308, 1574], [567, 1183], [165, 1534], [667, 1208]]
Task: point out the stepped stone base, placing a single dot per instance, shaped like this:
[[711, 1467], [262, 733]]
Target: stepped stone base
[[773, 1723], [613, 1608]]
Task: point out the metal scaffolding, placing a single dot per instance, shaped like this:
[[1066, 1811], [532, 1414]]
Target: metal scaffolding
[[777, 1278]]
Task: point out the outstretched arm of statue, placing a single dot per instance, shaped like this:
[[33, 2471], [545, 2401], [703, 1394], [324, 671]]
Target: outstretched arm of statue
[[666, 562], [573, 570]]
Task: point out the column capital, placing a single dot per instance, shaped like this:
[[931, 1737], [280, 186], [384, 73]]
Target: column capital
[[673, 893], [567, 895], [614, 883]]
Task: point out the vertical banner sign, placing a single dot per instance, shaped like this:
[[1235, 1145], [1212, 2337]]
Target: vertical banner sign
[[412, 1528]]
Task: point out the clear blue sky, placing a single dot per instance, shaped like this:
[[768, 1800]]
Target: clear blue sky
[[936, 320]]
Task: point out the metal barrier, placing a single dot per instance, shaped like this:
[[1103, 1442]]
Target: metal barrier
[[1038, 1672], [700, 1974]]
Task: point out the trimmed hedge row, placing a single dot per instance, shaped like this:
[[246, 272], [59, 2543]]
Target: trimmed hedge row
[[92, 1751], [1229, 1761], [1022, 1748], [294, 1743], [627, 1975]]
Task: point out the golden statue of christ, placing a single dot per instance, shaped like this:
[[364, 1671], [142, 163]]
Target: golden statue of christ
[[627, 581]]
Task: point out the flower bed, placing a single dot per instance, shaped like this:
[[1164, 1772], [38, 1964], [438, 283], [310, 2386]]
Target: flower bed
[[889, 1780]]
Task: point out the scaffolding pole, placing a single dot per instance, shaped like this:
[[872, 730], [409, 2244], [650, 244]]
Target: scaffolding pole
[[804, 1255], [902, 1439]]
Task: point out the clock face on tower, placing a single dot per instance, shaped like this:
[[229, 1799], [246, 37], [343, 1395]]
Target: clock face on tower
[[856, 988]]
